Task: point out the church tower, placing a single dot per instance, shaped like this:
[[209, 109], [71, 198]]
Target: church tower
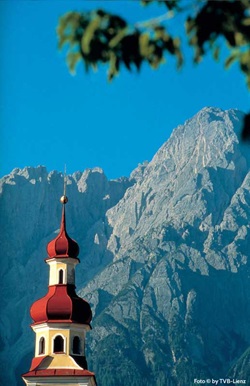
[[60, 320]]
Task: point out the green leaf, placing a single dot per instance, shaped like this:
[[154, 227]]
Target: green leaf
[[231, 59], [159, 32], [89, 34], [72, 59], [239, 39], [216, 53], [248, 82], [113, 68], [113, 42], [246, 21], [189, 25], [145, 47]]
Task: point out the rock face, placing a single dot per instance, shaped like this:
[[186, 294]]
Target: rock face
[[164, 259], [30, 217]]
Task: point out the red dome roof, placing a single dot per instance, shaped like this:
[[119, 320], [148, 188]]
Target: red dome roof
[[61, 304], [63, 245]]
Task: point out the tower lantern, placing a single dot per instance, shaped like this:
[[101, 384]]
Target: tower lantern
[[60, 320]]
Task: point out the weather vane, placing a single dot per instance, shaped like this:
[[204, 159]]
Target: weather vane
[[64, 198]]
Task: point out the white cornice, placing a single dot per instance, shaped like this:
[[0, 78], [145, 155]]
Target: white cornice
[[60, 326]]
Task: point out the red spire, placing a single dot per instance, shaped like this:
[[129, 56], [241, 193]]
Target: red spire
[[63, 245], [61, 302]]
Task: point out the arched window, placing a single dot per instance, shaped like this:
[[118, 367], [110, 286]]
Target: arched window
[[76, 345], [41, 346], [60, 276], [58, 344]]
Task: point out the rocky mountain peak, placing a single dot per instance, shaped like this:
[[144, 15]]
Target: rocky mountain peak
[[164, 258]]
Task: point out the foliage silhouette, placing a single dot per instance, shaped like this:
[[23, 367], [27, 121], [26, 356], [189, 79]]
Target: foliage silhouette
[[99, 37]]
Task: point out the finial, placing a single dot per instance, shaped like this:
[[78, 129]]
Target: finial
[[64, 198]]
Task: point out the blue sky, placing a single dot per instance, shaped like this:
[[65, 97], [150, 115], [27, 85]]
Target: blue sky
[[49, 117]]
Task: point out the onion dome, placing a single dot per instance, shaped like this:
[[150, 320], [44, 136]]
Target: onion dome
[[63, 245], [61, 304]]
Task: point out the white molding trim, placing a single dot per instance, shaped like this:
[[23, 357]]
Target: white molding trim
[[75, 380], [65, 260], [60, 326]]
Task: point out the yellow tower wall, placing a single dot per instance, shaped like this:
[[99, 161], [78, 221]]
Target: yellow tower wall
[[68, 267], [67, 331]]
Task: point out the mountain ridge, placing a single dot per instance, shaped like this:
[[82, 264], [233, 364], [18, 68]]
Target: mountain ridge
[[158, 250]]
